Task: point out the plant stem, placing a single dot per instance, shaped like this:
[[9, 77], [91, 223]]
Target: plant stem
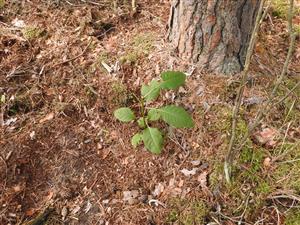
[[265, 109], [230, 154], [142, 106], [143, 110], [133, 5]]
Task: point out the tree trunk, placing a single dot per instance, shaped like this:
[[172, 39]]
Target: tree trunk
[[213, 33]]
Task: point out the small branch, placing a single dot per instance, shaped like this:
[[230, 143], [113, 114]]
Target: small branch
[[286, 196], [133, 5], [238, 101], [265, 109], [289, 93]]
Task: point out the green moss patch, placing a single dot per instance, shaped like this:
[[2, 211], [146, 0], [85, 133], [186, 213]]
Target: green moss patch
[[187, 212], [2, 3], [119, 96], [287, 169], [31, 33], [141, 46], [293, 217], [281, 7]]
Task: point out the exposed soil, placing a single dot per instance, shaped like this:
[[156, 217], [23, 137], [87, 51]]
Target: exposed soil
[[62, 149]]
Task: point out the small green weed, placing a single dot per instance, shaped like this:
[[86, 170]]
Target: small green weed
[[173, 115]]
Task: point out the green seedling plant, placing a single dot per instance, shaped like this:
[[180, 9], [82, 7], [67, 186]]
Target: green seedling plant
[[173, 115]]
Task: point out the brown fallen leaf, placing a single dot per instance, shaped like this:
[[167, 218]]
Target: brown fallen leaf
[[202, 179], [17, 188], [30, 212], [49, 196], [266, 137], [49, 116], [267, 162]]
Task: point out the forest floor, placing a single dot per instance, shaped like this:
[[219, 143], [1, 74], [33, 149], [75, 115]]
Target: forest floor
[[64, 158]]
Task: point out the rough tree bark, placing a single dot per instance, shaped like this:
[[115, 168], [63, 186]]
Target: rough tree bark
[[213, 33]]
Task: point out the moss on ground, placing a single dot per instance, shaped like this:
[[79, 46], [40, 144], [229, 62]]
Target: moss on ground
[[119, 95], [141, 45], [287, 170], [187, 212], [280, 8], [2, 3], [31, 33], [247, 170], [287, 110], [293, 217], [223, 119], [130, 57]]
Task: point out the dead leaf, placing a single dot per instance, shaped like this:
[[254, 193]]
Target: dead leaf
[[49, 116], [267, 162], [17, 188], [175, 191], [131, 197], [64, 212], [159, 188], [266, 137], [188, 173], [106, 153], [202, 179], [10, 121], [75, 210], [114, 134], [18, 23], [32, 135], [49, 196], [30, 212], [180, 184], [196, 162]]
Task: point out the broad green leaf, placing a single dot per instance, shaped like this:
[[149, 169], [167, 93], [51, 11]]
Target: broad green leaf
[[141, 123], [153, 115], [176, 116], [172, 79], [124, 114], [150, 92], [153, 140], [136, 139]]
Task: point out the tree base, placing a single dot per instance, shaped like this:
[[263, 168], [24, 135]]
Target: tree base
[[214, 34]]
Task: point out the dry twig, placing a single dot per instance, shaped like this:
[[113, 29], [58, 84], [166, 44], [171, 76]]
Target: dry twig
[[265, 109], [238, 101], [231, 151]]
